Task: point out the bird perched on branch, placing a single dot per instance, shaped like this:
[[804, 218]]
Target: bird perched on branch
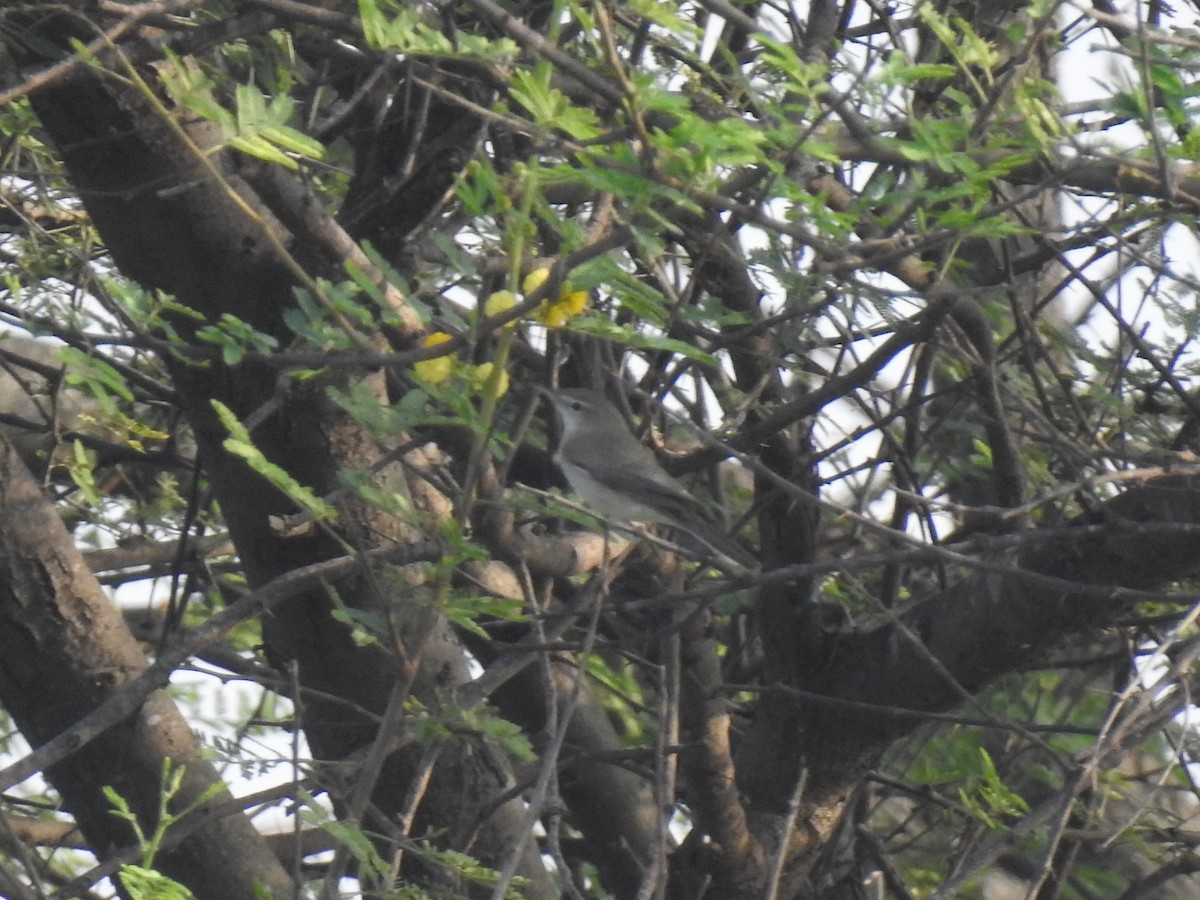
[[622, 480]]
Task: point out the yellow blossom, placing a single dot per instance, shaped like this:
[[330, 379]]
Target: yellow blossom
[[574, 302], [568, 305], [535, 280], [498, 303], [438, 369], [554, 313]]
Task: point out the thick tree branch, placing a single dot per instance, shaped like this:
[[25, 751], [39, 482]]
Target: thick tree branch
[[997, 623], [64, 650]]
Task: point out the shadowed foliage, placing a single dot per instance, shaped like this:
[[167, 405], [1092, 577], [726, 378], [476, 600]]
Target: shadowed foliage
[[904, 304]]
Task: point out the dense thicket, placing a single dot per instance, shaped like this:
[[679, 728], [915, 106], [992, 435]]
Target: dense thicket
[[903, 292]]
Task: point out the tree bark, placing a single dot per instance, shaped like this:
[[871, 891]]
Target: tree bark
[[64, 648], [204, 235]]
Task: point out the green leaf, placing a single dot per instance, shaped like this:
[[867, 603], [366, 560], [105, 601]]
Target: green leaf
[[95, 376], [147, 884], [365, 627], [922, 71], [607, 330], [235, 337], [406, 32], [82, 470], [465, 611], [240, 444], [550, 107], [260, 129], [505, 734], [294, 141], [374, 25], [260, 148], [359, 845], [993, 798]]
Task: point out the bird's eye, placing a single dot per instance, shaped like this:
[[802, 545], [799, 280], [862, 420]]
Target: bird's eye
[[577, 405]]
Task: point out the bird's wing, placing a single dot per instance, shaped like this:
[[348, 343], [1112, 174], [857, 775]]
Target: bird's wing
[[664, 493], [657, 489], [666, 490]]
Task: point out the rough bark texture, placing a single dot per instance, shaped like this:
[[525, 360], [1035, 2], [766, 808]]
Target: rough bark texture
[[64, 648], [212, 242], [767, 762]]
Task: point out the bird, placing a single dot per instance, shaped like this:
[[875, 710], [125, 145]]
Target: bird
[[620, 479]]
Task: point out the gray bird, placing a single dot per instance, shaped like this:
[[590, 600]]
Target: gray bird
[[621, 480]]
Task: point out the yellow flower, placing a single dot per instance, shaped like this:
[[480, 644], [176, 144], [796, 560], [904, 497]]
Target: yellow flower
[[481, 380], [568, 305], [574, 302], [498, 303], [554, 313], [438, 369], [535, 280]]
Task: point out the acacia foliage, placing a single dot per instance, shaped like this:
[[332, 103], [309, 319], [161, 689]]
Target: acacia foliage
[[917, 320]]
